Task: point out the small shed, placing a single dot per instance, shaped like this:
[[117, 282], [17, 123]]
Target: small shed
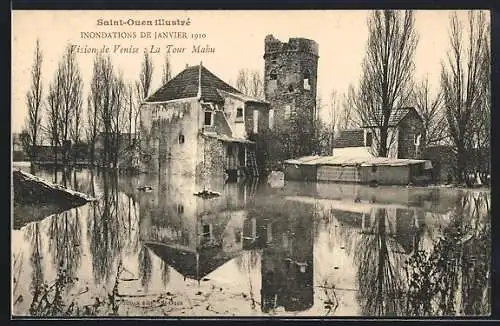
[[379, 170]]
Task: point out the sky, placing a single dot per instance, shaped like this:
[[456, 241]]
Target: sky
[[237, 36]]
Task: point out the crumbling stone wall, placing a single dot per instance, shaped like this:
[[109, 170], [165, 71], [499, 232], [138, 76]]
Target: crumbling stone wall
[[212, 158], [290, 85], [288, 65], [169, 137]]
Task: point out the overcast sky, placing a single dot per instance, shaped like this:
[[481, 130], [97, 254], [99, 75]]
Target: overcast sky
[[237, 36]]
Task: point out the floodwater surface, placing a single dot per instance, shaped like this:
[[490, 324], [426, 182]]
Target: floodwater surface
[[260, 248]]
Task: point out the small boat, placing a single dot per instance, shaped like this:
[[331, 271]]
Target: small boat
[[207, 194], [145, 188]]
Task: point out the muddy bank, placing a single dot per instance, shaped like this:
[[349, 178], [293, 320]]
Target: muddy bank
[[36, 198]]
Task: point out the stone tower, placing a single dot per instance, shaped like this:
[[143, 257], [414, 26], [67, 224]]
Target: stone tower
[[290, 78]]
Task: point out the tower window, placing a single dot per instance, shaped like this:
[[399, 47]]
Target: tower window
[[180, 209], [239, 114], [255, 121], [181, 139], [273, 75], [271, 118], [288, 111], [206, 231], [208, 118], [307, 83]]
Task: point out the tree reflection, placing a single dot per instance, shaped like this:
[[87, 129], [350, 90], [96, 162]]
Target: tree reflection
[[37, 277], [65, 241], [454, 276], [145, 266], [379, 274], [104, 228], [165, 273]]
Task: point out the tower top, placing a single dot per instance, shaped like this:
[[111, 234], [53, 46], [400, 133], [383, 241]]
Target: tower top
[[294, 44]]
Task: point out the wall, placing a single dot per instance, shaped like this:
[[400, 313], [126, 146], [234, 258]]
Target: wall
[[230, 107], [409, 127], [386, 175], [301, 172], [212, 157], [161, 125], [263, 123], [338, 173]]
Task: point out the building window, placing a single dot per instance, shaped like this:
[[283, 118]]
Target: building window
[[369, 139], [271, 118], [288, 111], [255, 121], [181, 139], [374, 168], [239, 115], [307, 83], [208, 118], [180, 209]]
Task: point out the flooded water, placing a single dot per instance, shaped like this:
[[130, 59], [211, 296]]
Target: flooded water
[[287, 249]]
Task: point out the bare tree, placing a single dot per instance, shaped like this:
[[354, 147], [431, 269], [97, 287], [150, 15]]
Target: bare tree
[[107, 114], [54, 104], [430, 109], [119, 103], [143, 85], [93, 108], [387, 71], [167, 70], [250, 82], [71, 86], [334, 116], [349, 119], [132, 109], [34, 103], [462, 78]]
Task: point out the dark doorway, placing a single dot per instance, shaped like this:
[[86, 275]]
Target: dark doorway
[[241, 154]]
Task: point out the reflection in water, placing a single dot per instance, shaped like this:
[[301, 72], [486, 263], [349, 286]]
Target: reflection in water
[[37, 277], [65, 242], [454, 276], [379, 259], [310, 249]]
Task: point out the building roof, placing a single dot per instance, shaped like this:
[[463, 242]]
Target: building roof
[[191, 263], [394, 119], [350, 138], [243, 97], [186, 85]]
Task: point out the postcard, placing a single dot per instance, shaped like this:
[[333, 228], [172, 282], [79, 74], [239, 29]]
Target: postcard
[[317, 163]]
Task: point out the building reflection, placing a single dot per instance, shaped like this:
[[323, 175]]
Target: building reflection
[[285, 234], [193, 235], [384, 235]]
